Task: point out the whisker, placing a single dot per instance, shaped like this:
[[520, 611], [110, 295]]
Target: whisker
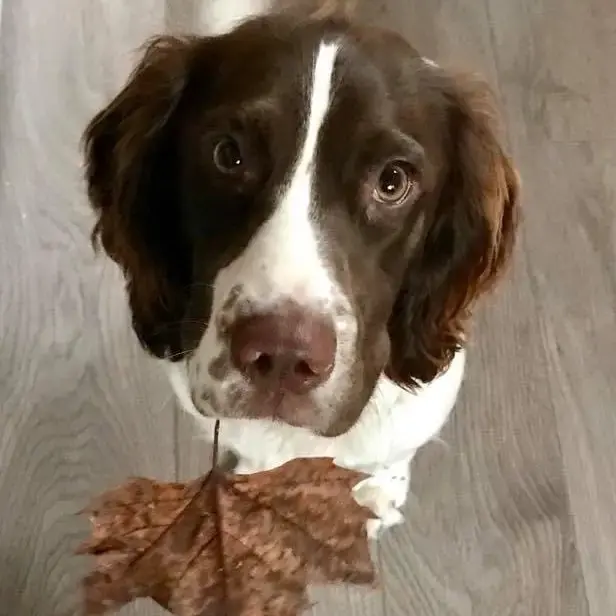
[[200, 285], [176, 355], [161, 329]]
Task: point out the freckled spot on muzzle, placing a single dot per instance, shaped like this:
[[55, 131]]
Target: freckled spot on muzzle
[[219, 366], [225, 315]]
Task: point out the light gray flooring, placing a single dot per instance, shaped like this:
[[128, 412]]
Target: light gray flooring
[[515, 515]]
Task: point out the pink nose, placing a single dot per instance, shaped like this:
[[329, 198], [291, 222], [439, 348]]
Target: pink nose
[[288, 350]]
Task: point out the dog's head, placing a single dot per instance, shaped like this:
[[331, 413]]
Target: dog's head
[[299, 207]]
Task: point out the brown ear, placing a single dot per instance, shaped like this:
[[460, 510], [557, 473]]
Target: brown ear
[[469, 240], [132, 185]]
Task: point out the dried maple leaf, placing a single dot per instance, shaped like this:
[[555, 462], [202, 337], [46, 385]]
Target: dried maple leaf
[[228, 545]]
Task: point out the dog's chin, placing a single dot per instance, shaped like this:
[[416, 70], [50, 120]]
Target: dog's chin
[[287, 408]]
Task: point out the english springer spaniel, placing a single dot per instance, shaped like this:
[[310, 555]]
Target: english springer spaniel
[[305, 210]]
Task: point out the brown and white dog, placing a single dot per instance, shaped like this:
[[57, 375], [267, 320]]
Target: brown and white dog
[[305, 210]]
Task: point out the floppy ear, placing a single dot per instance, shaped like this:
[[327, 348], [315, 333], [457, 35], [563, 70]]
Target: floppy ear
[[468, 242], [132, 185]]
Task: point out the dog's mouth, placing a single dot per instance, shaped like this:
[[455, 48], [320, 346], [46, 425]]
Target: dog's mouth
[[288, 408], [299, 411]]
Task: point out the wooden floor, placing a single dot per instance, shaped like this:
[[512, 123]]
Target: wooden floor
[[514, 514]]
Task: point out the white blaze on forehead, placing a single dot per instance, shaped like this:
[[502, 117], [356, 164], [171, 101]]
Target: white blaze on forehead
[[292, 220], [320, 95], [283, 258]]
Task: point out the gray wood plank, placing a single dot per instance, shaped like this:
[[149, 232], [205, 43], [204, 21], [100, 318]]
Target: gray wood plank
[[560, 90], [578, 330], [555, 62], [81, 408], [453, 32], [347, 601]]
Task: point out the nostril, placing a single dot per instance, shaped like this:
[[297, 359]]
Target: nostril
[[263, 365], [304, 370], [302, 367]]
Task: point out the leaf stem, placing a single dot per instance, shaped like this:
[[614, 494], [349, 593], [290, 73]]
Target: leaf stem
[[216, 437]]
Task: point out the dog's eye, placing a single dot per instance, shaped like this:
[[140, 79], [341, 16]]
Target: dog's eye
[[227, 155], [396, 181]]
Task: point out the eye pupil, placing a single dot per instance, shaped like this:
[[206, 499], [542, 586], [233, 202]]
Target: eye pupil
[[227, 155], [391, 180], [394, 183]]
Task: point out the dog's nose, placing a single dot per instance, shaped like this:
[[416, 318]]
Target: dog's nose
[[288, 350]]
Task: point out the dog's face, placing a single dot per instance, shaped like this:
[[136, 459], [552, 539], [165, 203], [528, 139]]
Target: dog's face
[[300, 207]]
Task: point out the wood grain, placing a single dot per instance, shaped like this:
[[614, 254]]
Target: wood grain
[[513, 514], [561, 105]]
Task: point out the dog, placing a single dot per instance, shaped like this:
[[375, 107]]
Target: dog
[[305, 210]]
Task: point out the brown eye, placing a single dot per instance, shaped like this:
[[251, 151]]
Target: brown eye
[[395, 183], [227, 155]]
